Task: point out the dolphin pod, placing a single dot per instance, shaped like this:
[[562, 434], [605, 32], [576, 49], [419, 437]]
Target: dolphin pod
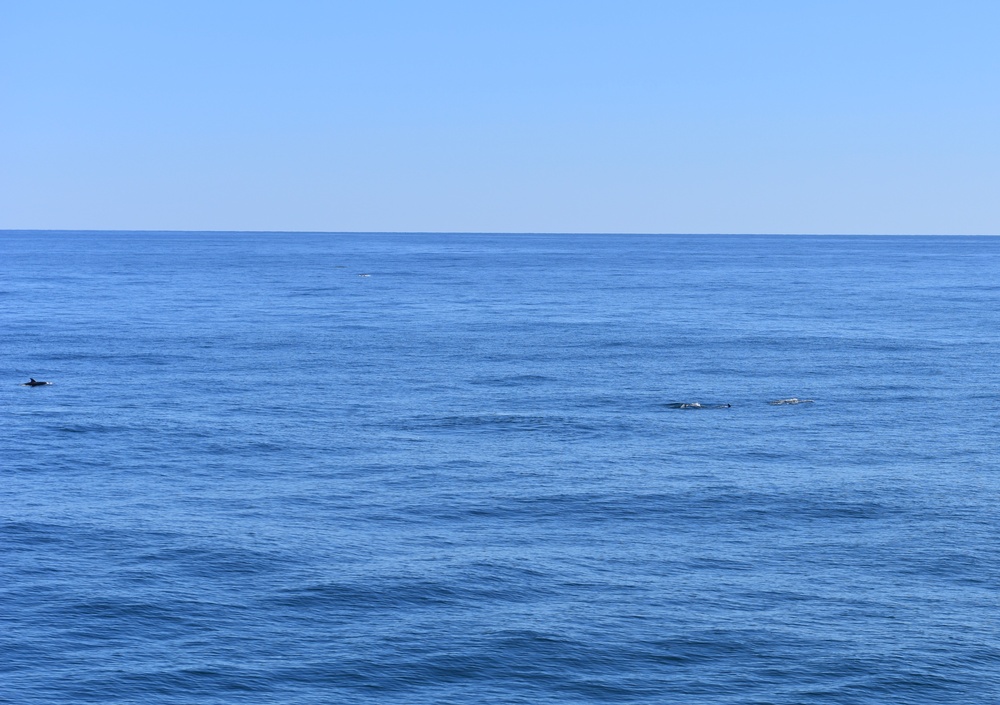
[[698, 405]]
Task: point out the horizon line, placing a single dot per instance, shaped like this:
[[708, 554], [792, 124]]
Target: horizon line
[[489, 232]]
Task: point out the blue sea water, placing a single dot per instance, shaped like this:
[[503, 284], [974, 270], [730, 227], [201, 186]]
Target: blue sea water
[[411, 468]]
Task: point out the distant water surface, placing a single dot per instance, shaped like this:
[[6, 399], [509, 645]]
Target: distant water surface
[[318, 468]]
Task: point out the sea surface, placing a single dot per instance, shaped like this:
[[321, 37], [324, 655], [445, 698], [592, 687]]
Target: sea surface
[[411, 468]]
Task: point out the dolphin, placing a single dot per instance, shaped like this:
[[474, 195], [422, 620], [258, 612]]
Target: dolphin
[[35, 383], [793, 400], [696, 405]]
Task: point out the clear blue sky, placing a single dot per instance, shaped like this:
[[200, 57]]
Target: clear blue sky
[[875, 116]]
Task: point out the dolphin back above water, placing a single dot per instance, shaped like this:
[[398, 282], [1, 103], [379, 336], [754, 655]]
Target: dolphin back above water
[[35, 383], [696, 405]]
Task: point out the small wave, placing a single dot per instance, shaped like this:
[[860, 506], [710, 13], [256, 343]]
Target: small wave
[[213, 562], [473, 585], [15, 533], [505, 422], [512, 380], [315, 291], [89, 428], [388, 595]]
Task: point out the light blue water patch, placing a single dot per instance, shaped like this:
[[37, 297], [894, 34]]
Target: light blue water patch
[[259, 477]]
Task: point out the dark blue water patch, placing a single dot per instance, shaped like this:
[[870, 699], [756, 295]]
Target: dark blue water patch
[[88, 428], [464, 589], [533, 663], [680, 511], [211, 562], [26, 534]]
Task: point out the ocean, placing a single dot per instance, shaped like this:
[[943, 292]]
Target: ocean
[[442, 468]]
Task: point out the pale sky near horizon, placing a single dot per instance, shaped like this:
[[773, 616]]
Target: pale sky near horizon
[[715, 116]]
